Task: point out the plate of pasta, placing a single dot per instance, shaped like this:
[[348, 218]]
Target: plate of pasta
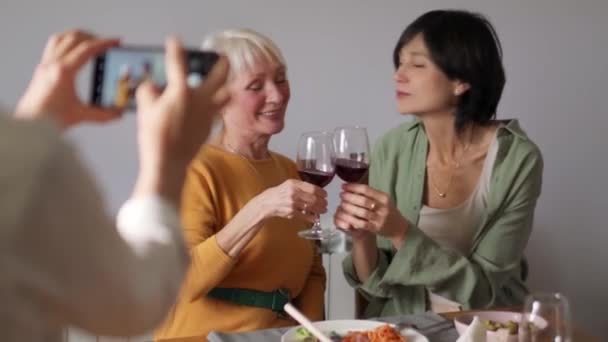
[[354, 331]]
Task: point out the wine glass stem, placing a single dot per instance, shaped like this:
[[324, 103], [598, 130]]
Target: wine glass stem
[[317, 225]]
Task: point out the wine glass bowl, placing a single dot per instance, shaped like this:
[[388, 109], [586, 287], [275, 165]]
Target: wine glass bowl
[[352, 153], [318, 178]]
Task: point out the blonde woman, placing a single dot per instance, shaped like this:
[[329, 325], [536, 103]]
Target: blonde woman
[[243, 205]]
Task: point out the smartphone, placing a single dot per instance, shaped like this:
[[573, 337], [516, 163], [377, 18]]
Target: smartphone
[[119, 71]]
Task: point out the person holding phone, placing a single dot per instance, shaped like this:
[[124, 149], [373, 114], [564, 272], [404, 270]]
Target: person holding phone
[[62, 258], [243, 206], [448, 211]]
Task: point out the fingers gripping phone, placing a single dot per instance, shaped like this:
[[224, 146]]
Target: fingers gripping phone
[[118, 73]]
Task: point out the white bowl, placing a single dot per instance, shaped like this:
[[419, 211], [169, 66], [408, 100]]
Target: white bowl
[[462, 322]]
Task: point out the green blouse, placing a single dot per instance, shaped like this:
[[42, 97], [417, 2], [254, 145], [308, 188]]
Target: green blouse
[[493, 272]]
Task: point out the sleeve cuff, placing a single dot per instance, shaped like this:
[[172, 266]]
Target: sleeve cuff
[[412, 259], [217, 253], [371, 286], [146, 221]]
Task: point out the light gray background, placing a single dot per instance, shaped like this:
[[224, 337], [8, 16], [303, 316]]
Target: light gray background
[[339, 56]]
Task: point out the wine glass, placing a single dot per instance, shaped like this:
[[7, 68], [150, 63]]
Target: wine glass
[[352, 153], [315, 163], [546, 317]]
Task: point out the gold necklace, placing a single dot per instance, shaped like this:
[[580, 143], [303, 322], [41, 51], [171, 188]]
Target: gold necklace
[[251, 166], [457, 164], [235, 151]]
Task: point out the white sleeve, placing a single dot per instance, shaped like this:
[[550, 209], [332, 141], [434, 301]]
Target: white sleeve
[[145, 221], [106, 280]]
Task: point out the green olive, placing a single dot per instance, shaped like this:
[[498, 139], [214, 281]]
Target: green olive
[[512, 327]]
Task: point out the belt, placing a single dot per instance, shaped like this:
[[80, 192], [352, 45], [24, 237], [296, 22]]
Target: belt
[[274, 301]]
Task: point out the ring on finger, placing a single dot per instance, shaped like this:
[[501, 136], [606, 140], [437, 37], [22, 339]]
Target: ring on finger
[[372, 207]]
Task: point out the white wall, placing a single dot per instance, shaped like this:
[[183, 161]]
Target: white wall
[[339, 54]]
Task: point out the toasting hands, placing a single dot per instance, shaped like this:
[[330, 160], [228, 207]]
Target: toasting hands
[[293, 199]]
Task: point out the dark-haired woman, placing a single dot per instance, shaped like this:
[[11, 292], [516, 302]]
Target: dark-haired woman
[[448, 212]]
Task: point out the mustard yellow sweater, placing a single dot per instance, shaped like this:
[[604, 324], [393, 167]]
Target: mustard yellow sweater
[[218, 185]]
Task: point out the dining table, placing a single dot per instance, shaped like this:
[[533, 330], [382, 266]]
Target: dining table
[[436, 327]]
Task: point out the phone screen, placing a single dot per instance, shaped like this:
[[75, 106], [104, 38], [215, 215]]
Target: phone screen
[[119, 72]]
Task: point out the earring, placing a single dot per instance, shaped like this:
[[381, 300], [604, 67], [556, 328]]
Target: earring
[[461, 89]]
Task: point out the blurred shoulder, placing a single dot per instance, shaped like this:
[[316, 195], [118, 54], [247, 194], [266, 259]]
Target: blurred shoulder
[[30, 152], [28, 143]]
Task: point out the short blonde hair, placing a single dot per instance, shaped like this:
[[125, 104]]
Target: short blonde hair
[[244, 48]]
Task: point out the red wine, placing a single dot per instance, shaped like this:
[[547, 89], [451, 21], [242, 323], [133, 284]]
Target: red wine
[[318, 178], [351, 170]]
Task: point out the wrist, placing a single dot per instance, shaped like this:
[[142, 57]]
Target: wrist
[[364, 242], [35, 110], [399, 237], [257, 211], [163, 179], [24, 112], [361, 237]]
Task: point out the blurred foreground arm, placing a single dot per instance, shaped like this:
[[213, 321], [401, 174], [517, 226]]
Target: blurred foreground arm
[[75, 261]]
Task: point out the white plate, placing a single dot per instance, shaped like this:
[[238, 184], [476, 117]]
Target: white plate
[[344, 326]]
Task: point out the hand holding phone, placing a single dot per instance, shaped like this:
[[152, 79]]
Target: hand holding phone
[[52, 91], [120, 70]]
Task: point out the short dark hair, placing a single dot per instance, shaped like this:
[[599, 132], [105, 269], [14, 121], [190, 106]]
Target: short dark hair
[[464, 45]]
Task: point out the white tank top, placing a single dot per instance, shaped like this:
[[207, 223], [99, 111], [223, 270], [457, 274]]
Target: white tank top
[[453, 228]]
